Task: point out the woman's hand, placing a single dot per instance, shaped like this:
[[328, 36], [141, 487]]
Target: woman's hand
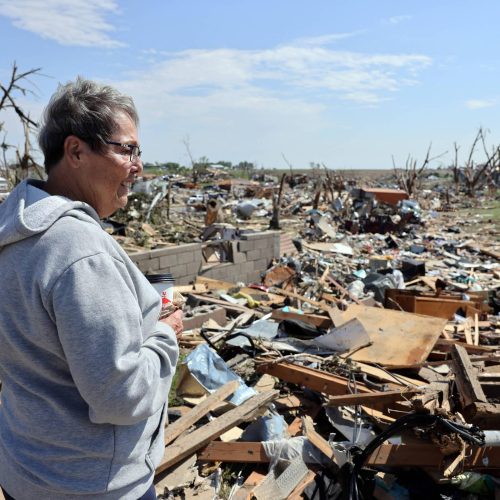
[[174, 321]]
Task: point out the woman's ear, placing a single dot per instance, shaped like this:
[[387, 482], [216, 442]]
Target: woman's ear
[[73, 150]]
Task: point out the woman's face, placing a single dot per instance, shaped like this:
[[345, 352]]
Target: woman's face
[[110, 173]]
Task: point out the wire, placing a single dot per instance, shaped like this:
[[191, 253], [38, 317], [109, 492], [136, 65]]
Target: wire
[[469, 433]]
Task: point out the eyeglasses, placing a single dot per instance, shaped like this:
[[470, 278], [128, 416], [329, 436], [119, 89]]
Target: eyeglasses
[[132, 150]]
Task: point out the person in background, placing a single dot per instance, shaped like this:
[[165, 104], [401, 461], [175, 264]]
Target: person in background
[[85, 364]]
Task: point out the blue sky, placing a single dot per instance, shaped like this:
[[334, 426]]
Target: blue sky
[[344, 83]]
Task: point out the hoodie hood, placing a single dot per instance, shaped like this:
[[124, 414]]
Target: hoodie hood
[[20, 220]]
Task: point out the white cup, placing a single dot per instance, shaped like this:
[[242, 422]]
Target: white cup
[[164, 285]]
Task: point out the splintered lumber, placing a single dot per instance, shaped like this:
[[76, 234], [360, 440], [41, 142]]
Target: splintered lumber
[[213, 284], [387, 376], [469, 388], [333, 312], [343, 290], [476, 329], [248, 452], [224, 303], [175, 429], [313, 379], [487, 415], [189, 443], [398, 338], [447, 346], [320, 442], [233, 452], [245, 492], [375, 399], [429, 455]]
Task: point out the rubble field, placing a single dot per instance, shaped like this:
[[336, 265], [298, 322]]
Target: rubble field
[[365, 363]]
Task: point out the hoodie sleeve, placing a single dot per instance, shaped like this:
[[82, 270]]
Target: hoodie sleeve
[[123, 373]]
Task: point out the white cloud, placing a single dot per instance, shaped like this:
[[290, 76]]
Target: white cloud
[[282, 72], [287, 93], [324, 39], [481, 103], [68, 22], [398, 19]]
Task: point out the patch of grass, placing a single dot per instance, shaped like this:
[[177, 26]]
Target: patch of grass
[[490, 211]]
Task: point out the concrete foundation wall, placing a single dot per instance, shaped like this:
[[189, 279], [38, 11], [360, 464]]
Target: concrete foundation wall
[[248, 257]]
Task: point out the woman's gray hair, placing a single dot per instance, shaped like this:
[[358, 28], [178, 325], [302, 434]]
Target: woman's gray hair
[[85, 109]]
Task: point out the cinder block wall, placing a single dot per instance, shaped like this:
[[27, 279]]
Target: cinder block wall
[[251, 255]]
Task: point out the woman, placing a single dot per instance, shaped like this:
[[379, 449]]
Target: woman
[[85, 365]]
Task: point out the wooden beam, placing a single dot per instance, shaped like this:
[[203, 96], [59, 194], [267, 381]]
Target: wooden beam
[[320, 442], [200, 437], [313, 379], [447, 346], [233, 452], [468, 385], [224, 303], [332, 311], [429, 455], [245, 492], [373, 400], [175, 429]]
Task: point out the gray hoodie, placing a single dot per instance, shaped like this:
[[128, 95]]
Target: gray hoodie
[[84, 364]]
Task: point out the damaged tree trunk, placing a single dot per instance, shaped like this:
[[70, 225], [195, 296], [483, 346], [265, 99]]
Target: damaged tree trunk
[[275, 220]]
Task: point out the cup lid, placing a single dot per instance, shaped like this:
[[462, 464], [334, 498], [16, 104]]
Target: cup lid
[[159, 278]]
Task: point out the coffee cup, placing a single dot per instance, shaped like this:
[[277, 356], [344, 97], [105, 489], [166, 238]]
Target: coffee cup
[[164, 285]]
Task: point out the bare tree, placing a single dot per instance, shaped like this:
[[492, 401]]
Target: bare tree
[[455, 167], [410, 176], [277, 198], [194, 170], [18, 85], [475, 173]]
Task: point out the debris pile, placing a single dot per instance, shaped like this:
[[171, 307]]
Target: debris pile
[[365, 363], [361, 366]]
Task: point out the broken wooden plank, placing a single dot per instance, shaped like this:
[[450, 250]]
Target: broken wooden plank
[[224, 303], [333, 312], [200, 437], [468, 333], [466, 378], [233, 452], [373, 400], [175, 429], [313, 379], [399, 338], [429, 455], [320, 442], [487, 415], [253, 480], [343, 290], [387, 376], [476, 329], [447, 345]]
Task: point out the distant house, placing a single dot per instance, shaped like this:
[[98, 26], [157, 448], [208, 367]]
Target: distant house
[[4, 185]]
